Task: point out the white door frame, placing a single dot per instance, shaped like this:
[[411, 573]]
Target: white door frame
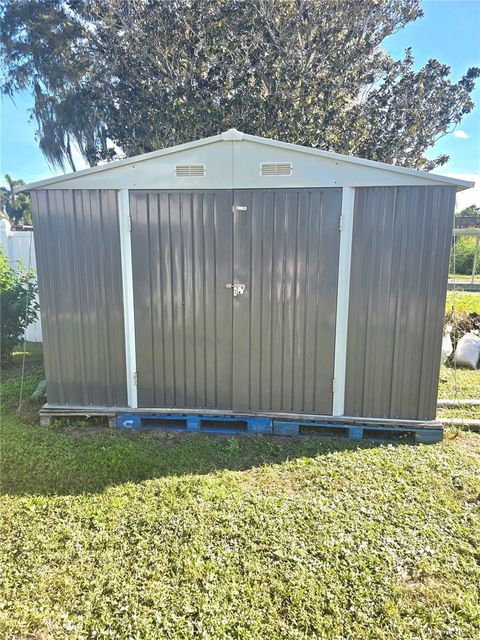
[[343, 295], [128, 304]]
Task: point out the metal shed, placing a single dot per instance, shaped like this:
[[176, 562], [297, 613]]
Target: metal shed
[[243, 276]]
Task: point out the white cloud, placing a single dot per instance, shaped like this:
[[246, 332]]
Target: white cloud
[[468, 196], [461, 134]]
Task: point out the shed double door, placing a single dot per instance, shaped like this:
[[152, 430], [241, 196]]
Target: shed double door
[[268, 348]]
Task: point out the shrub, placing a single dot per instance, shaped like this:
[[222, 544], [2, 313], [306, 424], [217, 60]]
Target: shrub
[[18, 303], [464, 250]]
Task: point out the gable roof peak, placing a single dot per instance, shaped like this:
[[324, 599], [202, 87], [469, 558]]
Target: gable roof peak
[[232, 134]]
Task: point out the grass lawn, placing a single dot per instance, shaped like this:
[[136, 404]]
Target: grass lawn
[[463, 277], [106, 534], [460, 383], [463, 301]]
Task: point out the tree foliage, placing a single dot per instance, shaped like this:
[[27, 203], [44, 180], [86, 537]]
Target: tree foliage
[[471, 210], [462, 256], [16, 206], [18, 303], [136, 75]]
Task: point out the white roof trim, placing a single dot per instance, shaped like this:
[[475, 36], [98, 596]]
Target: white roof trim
[[234, 135], [118, 163], [384, 166]]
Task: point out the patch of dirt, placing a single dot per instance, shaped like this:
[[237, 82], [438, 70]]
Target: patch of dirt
[[76, 432]]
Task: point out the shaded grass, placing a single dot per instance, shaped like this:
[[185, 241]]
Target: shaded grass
[[111, 534], [33, 358], [85, 459]]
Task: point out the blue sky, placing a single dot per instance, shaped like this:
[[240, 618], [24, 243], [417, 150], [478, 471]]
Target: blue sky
[[449, 31]]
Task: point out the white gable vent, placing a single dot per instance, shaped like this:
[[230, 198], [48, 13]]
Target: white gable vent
[[276, 169], [189, 170]]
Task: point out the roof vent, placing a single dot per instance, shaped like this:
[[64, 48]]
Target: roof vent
[[276, 169], [189, 170]]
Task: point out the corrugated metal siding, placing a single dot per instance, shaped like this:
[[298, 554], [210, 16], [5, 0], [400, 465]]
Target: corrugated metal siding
[[77, 244], [286, 248], [269, 349], [401, 242], [182, 258]]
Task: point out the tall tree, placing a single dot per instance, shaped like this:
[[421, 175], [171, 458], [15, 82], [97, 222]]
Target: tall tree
[[471, 210], [16, 206], [136, 75]]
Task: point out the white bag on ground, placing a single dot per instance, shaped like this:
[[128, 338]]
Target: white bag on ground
[[468, 351], [447, 346]]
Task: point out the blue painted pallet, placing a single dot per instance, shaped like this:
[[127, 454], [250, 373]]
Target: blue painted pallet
[[238, 425], [357, 431], [196, 423]]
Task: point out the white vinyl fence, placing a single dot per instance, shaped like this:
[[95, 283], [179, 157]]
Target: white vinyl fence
[[19, 245]]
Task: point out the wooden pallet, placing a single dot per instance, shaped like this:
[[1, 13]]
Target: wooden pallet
[[47, 415], [197, 423], [256, 425], [353, 428], [368, 431]]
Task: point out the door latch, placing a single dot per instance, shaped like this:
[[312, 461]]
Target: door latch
[[238, 289]]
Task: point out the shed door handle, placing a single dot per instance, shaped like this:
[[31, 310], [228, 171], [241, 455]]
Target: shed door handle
[[238, 289]]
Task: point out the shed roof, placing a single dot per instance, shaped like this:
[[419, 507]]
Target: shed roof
[[360, 171]]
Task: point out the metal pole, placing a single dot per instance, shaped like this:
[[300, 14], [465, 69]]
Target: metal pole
[[475, 256]]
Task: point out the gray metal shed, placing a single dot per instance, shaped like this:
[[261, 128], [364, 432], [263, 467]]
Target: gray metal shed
[[239, 274]]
